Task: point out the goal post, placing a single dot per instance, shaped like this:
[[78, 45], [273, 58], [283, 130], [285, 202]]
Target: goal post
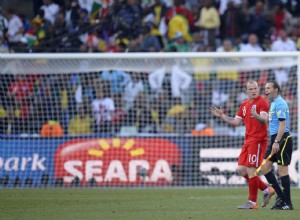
[[51, 63], [132, 119]]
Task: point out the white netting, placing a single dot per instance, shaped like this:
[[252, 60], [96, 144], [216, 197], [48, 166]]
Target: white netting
[[130, 119]]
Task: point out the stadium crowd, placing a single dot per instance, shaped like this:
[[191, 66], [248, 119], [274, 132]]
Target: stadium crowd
[[156, 102]]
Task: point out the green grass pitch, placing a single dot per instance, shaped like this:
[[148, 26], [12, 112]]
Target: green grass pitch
[[133, 204]]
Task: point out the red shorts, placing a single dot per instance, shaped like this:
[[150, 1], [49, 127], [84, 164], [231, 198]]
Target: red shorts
[[252, 153]]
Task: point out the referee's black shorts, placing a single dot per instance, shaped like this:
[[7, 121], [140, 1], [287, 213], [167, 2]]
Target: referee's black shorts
[[284, 155]]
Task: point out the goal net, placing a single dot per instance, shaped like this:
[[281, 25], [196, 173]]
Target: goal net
[[131, 120]]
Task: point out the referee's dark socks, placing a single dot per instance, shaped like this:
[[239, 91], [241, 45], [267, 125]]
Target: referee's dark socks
[[285, 182], [273, 181]]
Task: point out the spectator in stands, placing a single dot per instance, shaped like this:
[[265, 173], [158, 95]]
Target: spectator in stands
[[60, 25], [293, 6], [3, 113], [204, 129], [117, 43], [281, 76], [20, 91], [10, 123], [36, 33], [135, 44], [86, 88], [251, 46], [283, 43], [295, 33], [50, 43], [180, 81], [177, 118], [224, 4], [267, 42], [159, 107], [154, 30], [65, 100], [91, 41], [231, 105], [139, 115], [228, 78], [282, 19], [179, 23], [83, 4], [51, 10], [179, 9], [178, 44], [134, 87], [118, 115], [195, 11], [122, 43], [103, 107], [129, 19], [83, 19], [201, 76], [150, 43], [15, 28], [209, 22], [3, 25], [81, 123], [259, 23], [198, 44], [232, 22], [72, 14], [118, 80], [51, 129], [43, 104], [41, 16], [203, 98], [25, 21], [158, 10]]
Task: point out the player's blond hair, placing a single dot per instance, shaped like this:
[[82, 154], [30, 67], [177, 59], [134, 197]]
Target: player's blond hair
[[250, 82]]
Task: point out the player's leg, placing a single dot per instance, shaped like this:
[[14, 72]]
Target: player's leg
[[267, 172], [253, 182], [285, 183], [268, 191], [242, 170], [286, 149], [255, 157]]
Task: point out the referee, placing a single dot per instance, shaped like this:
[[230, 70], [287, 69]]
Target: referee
[[281, 146]]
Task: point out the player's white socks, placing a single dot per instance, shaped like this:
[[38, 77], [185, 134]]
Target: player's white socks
[[266, 190]]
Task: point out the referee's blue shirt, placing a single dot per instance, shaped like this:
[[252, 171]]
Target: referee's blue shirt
[[279, 109]]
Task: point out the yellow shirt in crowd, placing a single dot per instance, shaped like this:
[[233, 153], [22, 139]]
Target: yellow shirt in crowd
[[78, 125], [209, 18]]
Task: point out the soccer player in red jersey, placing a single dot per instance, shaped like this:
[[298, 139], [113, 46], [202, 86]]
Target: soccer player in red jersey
[[254, 113]]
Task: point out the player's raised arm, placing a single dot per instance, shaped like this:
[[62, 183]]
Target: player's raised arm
[[218, 112]]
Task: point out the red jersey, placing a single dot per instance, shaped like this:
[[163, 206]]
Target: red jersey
[[254, 129], [20, 89]]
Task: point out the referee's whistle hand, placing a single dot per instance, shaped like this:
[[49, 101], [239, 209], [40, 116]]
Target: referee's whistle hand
[[275, 148]]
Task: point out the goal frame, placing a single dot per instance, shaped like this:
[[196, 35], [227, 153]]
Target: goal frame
[[112, 56]]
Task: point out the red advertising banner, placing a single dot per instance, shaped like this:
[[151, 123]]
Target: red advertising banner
[[119, 161]]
